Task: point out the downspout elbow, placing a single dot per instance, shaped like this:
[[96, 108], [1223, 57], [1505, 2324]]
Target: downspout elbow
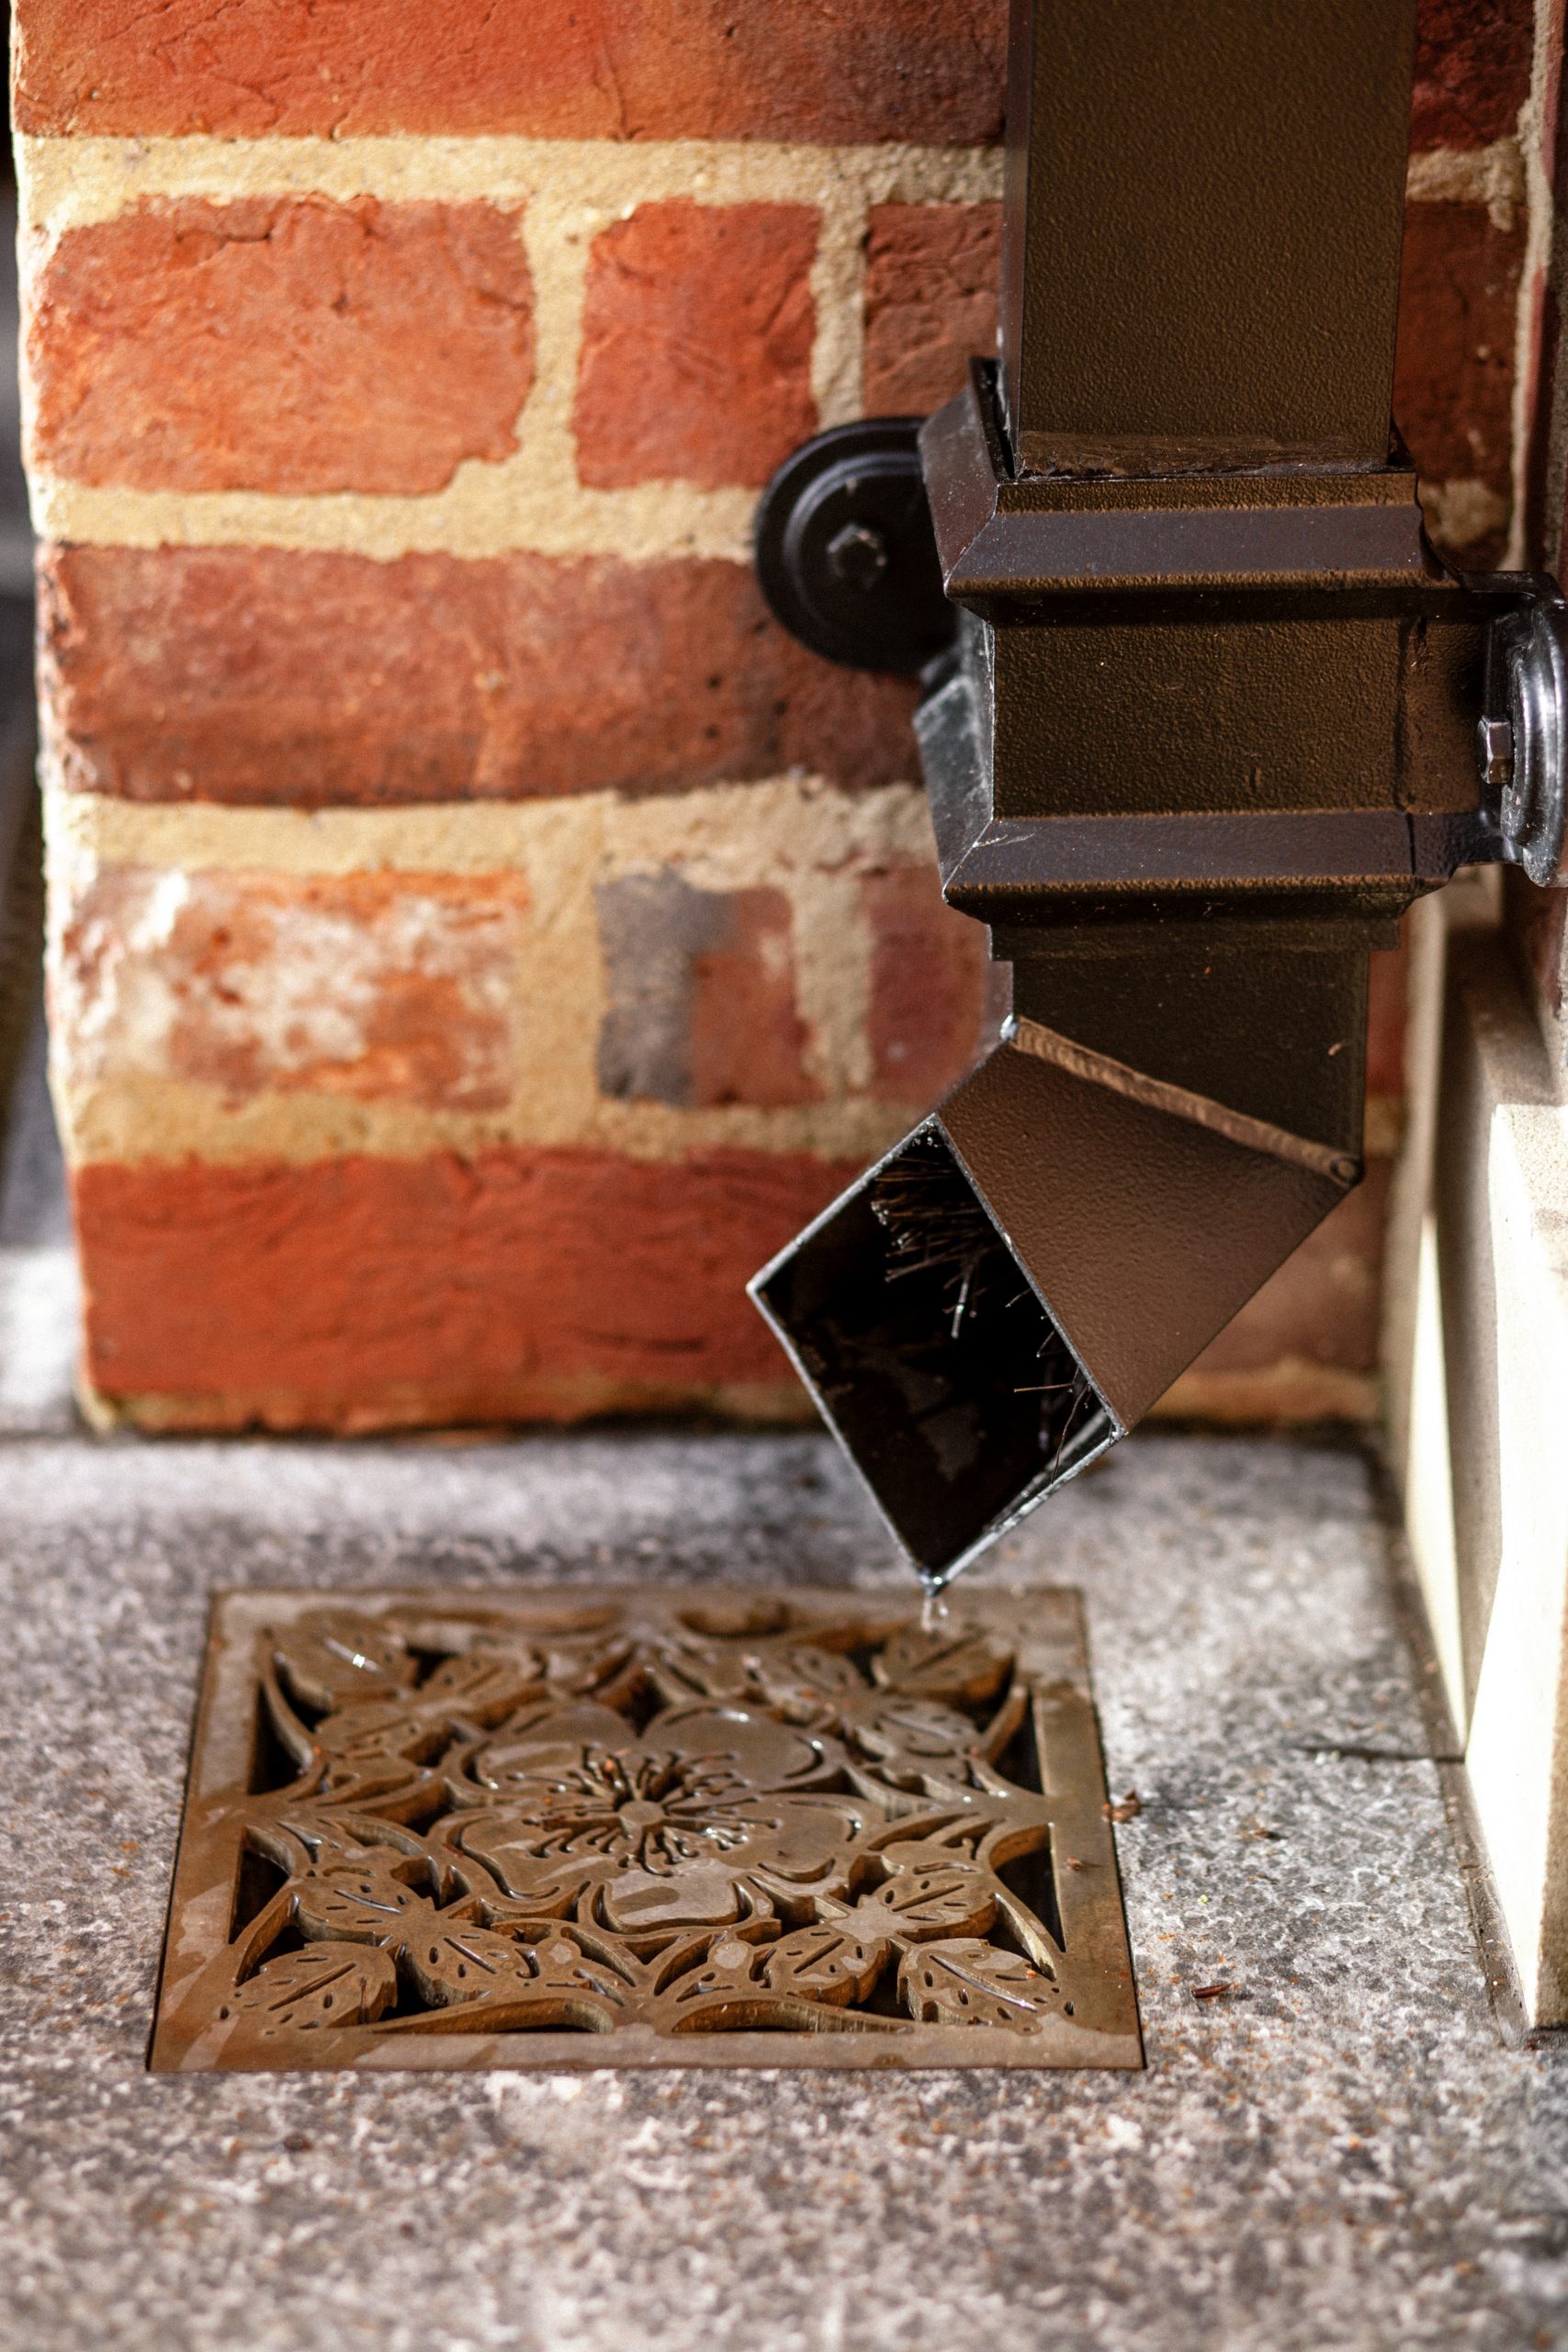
[[1010, 1288]]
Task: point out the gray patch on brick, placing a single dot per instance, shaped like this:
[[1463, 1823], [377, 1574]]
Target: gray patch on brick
[[653, 927]]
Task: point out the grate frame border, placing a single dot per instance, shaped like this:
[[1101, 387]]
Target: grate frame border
[[1045, 1626]]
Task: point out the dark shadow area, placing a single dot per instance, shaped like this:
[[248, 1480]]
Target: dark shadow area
[[34, 1212], [32, 1177], [933, 1353]]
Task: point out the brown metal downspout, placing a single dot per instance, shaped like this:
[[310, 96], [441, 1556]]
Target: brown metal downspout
[[1204, 735]]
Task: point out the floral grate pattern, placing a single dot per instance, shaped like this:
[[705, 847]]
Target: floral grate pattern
[[644, 1829]]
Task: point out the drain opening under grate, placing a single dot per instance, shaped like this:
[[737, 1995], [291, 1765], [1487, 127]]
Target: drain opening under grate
[[649, 1827]]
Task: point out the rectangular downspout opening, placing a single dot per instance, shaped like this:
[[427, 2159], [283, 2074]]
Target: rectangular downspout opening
[[927, 1347]]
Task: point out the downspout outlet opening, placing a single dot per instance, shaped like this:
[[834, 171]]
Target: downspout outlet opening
[[932, 1355]]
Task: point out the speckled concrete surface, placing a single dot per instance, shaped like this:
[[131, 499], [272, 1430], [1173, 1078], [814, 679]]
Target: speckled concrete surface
[[1344, 2155]]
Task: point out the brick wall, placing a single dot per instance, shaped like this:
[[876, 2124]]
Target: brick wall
[[480, 936]]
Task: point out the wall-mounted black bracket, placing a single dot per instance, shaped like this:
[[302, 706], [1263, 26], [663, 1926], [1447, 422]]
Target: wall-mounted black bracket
[[845, 552]]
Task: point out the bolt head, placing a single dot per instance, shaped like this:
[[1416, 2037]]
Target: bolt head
[[1494, 753], [858, 555]]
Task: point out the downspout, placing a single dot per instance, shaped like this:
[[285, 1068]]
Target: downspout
[[1199, 722]]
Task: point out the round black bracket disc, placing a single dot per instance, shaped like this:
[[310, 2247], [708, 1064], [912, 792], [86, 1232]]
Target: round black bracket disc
[[845, 551]]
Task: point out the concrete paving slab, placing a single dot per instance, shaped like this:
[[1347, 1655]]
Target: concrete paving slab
[[1341, 2152]]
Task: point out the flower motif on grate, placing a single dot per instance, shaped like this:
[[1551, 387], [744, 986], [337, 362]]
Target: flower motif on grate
[[633, 1821]]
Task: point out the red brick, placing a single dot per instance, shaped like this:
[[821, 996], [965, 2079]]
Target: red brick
[[929, 970], [256, 674], [1387, 1017], [931, 301], [747, 1039], [379, 987], [303, 345], [840, 70], [364, 1292], [1472, 71], [700, 994], [696, 344], [1454, 367]]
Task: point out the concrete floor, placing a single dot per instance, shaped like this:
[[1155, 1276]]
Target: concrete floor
[[1347, 2155]]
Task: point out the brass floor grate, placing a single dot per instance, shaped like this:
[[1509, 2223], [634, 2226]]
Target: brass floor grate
[[645, 1827]]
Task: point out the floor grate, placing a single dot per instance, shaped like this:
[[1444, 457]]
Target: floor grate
[[649, 1827]]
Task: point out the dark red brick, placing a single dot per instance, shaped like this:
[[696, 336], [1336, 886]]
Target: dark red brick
[[1472, 71], [1544, 364], [1454, 368], [840, 70], [931, 301], [262, 676], [1386, 1018], [1537, 925], [360, 1293], [929, 973], [1324, 1306], [303, 345], [696, 344]]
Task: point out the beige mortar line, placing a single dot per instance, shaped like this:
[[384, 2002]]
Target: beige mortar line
[[726, 835], [837, 292], [558, 236], [72, 183], [1494, 176], [568, 190], [1539, 264], [1383, 1130], [485, 511], [140, 1117], [832, 984]]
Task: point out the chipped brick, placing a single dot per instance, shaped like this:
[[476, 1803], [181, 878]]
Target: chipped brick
[[300, 346], [1472, 71], [696, 344], [1454, 369], [395, 987]]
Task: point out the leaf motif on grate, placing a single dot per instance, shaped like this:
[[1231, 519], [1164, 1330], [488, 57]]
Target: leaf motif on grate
[[661, 1822]]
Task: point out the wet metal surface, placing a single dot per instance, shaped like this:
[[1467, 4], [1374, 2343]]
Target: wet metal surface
[[1339, 2151]]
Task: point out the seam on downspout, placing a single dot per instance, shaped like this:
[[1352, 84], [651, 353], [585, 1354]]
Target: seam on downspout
[[1159, 1094]]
